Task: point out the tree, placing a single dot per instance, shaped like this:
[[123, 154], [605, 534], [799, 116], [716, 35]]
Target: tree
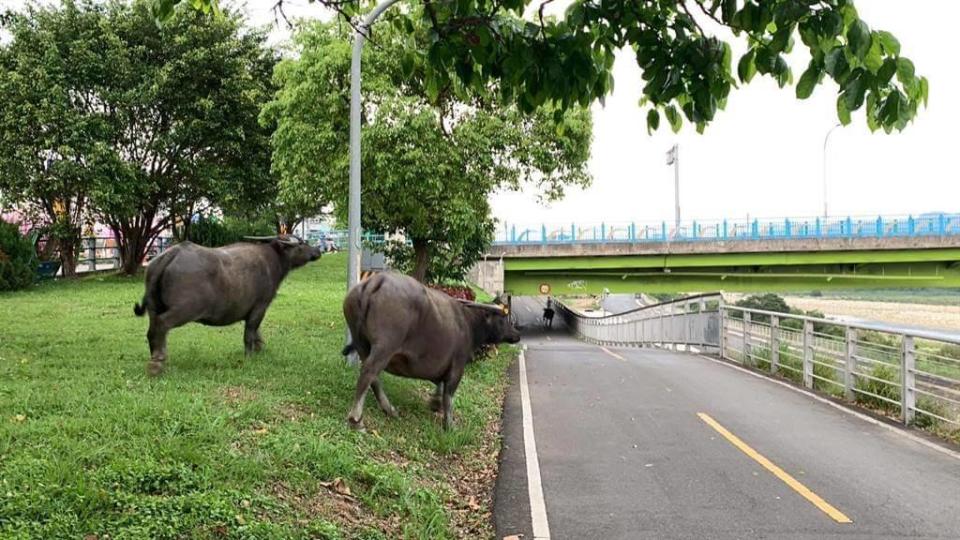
[[688, 71], [164, 120], [45, 144], [430, 161]]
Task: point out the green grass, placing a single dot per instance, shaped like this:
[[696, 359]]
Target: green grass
[[223, 446]]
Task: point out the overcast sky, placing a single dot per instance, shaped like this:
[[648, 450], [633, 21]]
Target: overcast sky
[[763, 155]]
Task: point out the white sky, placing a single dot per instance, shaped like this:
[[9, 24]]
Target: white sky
[[762, 156]]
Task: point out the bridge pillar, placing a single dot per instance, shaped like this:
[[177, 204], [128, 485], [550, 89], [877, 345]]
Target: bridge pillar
[[488, 275]]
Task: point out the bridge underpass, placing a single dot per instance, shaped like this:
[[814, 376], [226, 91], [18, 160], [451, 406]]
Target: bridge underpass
[[737, 266], [651, 443]]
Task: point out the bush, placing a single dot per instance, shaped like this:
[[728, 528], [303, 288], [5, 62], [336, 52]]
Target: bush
[[889, 389], [18, 260], [213, 232], [764, 302]]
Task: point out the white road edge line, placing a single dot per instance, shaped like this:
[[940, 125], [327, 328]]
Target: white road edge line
[[538, 509], [839, 407]]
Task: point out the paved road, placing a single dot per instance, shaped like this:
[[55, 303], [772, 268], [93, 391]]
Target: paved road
[[624, 454], [618, 303]]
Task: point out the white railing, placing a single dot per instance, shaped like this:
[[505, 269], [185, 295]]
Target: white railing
[[688, 322], [910, 374]]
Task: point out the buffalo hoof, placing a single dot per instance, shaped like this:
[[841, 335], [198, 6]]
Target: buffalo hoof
[[257, 346], [435, 404], [392, 412], [356, 425], [155, 368]]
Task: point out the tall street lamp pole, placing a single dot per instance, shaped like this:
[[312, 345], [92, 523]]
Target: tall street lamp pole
[[359, 37], [825, 141], [673, 158]]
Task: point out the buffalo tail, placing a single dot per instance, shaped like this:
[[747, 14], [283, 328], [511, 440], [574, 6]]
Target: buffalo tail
[[151, 296]]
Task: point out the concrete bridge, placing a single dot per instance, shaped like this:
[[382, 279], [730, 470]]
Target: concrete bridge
[[798, 256]]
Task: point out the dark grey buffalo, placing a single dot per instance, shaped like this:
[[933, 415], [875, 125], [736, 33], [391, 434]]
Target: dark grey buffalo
[[409, 330], [217, 287]]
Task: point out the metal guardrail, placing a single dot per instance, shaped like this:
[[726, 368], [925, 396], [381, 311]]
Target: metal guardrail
[[913, 374], [99, 253], [687, 322], [939, 224]]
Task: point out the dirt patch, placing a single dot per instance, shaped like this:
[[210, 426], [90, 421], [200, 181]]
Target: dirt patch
[[334, 501], [931, 316], [234, 395], [294, 412]]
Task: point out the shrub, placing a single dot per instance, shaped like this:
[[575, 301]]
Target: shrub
[[889, 389], [213, 232], [764, 302], [18, 260], [457, 291]]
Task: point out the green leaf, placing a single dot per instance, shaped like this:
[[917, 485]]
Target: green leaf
[[808, 81], [874, 59], [653, 121], [747, 68], [843, 113], [728, 10], [905, 70], [674, 118], [872, 112], [925, 90], [886, 71], [407, 63], [858, 38], [889, 43], [855, 90], [835, 63]]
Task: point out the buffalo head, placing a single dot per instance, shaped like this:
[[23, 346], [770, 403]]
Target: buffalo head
[[292, 248], [498, 328]]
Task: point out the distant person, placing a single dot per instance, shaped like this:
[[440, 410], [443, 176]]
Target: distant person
[[548, 313]]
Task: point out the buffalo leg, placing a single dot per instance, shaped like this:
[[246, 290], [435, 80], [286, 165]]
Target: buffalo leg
[[385, 405], [436, 400], [160, 326], [449, 388], [157, 338], [251, 330], [369, 372]]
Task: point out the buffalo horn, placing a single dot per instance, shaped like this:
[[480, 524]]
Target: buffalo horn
[[498, 308], [260, 238]]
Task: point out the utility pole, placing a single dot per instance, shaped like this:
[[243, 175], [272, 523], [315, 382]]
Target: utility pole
[[359, 36], [825, 141], [353, 224], [673, 158]]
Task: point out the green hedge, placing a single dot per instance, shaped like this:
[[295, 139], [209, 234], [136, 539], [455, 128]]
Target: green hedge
[[18, 260]]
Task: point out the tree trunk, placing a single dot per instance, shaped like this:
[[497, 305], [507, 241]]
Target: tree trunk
[[133, 243], [68, 257], [421, 260]]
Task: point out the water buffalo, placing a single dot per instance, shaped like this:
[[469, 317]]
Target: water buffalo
[[409, 330], [217, 287]]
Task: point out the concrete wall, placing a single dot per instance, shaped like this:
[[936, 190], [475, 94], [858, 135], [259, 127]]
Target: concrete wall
[[488, 275], [596, 249]]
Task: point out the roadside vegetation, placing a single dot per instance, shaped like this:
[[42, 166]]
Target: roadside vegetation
[[223, 446], [877, 376], [937, 297]]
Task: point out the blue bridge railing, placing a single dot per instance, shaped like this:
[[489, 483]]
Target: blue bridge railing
[[935, 224]]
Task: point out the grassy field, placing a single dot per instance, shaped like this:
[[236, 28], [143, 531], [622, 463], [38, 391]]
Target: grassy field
[[223, 446]]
